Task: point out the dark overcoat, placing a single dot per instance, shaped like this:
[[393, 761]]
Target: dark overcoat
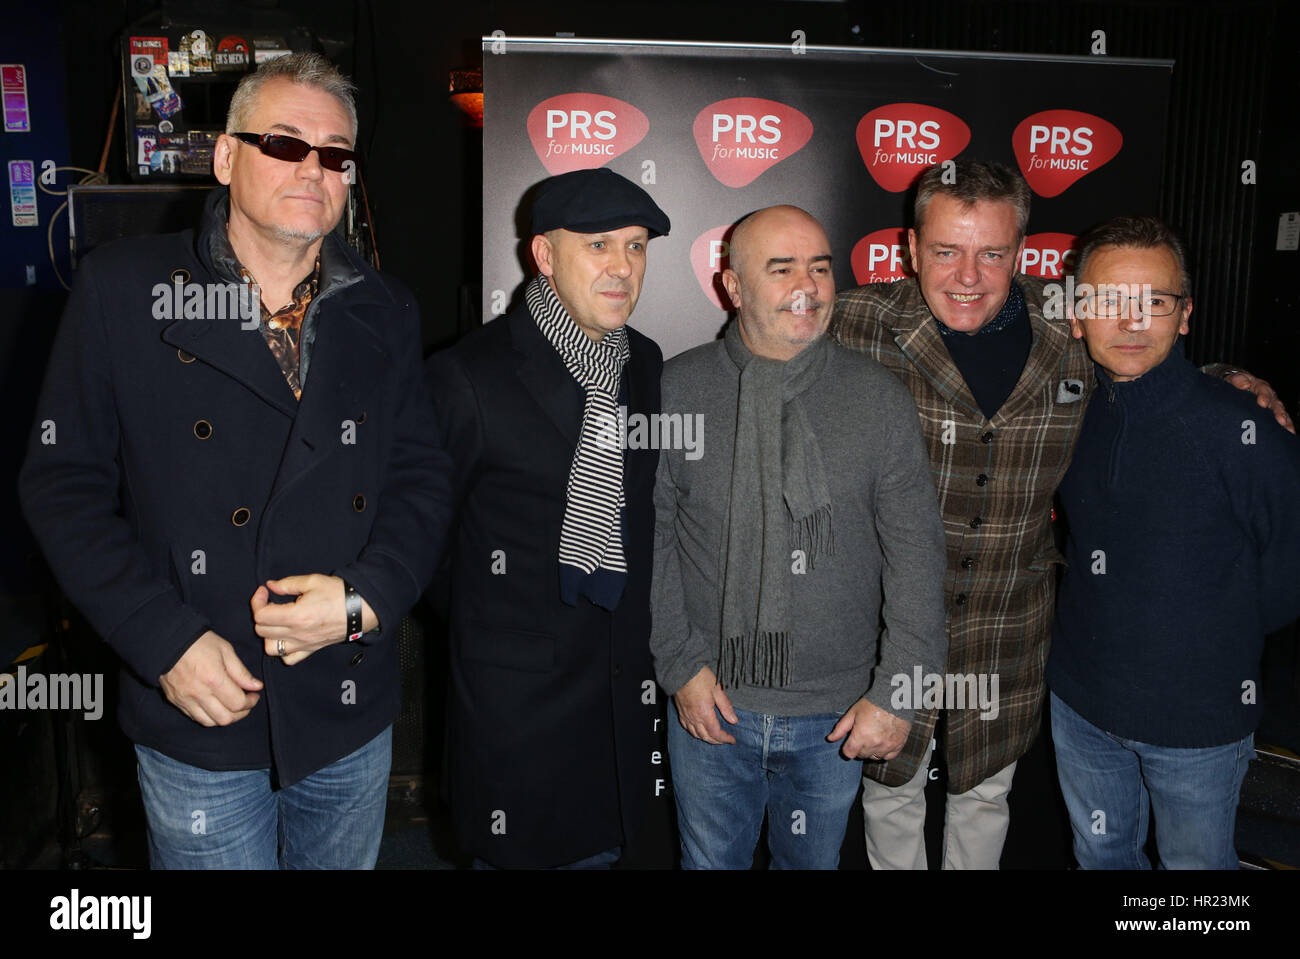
[[171, 471], [552, 706]]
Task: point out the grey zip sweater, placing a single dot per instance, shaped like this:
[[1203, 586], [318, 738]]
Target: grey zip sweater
[[889, 544]]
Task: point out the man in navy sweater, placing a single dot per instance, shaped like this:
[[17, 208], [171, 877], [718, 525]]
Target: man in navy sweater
[[1184, 552]]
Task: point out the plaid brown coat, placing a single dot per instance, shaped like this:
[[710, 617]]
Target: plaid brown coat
[[996, 479]]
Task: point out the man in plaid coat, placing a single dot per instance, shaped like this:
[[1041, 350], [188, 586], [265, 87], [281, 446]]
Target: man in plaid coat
[[1001, 388]]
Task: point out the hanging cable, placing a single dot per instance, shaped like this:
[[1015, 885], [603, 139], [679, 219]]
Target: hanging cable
[[91, 177]]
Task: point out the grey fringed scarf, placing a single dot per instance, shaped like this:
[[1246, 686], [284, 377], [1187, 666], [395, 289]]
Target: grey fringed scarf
[[780, 501]]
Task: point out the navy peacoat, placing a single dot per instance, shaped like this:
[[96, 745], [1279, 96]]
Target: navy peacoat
[[171, 471]]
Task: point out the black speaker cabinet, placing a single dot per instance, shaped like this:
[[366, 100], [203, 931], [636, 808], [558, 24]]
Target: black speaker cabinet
[[98, 214]]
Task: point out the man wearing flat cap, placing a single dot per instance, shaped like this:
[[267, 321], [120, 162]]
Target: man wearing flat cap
[[549, 736]]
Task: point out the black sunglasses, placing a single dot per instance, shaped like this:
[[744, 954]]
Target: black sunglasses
[[292, 150]]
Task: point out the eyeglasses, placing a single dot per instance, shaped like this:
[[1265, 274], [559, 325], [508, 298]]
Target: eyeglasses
[[1113, 303], [292, 150]]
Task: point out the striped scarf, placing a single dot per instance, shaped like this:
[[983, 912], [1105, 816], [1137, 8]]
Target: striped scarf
[[592, 535]]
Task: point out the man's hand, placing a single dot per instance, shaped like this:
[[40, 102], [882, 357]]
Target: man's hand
[[1265, 396], [210, 684], [873, 733], [696, 702], [316, 619]]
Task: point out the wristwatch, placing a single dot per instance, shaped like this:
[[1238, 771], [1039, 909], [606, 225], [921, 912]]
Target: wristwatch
[[352, 605]]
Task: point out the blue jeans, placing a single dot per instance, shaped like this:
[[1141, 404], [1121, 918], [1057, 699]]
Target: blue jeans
[[1112, 785], [201, 819], [781, 764]]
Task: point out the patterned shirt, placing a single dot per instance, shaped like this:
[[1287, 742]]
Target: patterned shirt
[[283, 328]]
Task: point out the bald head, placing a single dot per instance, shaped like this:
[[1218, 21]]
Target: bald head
[[780, 281], [762, 222]]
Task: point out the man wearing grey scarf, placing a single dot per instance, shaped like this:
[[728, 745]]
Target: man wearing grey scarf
[[799, 563]]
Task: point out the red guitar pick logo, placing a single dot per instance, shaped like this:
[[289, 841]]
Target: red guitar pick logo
[[1055, 148], [710, 255], [743, 137], [581, 131], [881, 257], [1048, 255], [899, 141]]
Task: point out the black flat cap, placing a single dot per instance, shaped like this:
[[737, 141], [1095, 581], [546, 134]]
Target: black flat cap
[[593, 201]]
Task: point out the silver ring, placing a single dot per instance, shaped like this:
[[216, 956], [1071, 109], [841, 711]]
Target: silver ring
[[279, 648]]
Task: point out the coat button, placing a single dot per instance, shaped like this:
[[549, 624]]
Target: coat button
[[967, 563], [981, 479], [987, 437], [241, 516], [358, 502], [961, 599], [975, 523], [361, 418], [356, 660], [202, 429], [184, 357], [180, 275]]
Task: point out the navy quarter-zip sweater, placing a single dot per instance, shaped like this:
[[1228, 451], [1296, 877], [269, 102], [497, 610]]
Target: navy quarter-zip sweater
[[1183, 502]]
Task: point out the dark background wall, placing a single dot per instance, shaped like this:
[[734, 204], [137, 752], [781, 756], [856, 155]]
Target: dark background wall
[[1234, 95]]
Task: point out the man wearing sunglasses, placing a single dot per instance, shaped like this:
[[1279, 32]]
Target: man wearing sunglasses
[[244, 496], [1184, 552]]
